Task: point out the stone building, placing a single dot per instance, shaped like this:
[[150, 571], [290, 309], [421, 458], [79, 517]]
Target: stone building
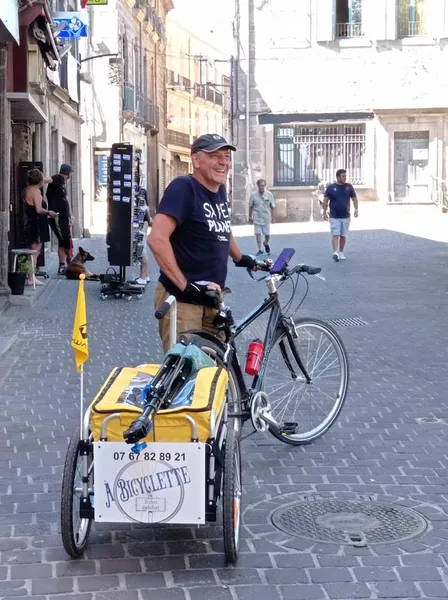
[[40, 123], [198, 93], [124, 97], [356, 84]]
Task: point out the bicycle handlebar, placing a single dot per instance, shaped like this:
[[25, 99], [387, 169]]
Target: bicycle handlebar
[[140, 427], [164, 308], [266, 266]]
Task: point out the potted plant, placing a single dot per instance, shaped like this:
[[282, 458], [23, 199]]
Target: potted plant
[[17, 280]]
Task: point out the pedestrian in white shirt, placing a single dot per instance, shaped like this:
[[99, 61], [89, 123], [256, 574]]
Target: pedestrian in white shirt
[[261, 214]]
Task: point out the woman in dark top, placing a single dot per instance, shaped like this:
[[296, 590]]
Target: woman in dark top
[[35, 213]]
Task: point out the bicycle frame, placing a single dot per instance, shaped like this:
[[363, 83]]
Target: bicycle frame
[[276, 322]]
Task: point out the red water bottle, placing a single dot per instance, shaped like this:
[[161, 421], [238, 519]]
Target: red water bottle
[[254, 357]]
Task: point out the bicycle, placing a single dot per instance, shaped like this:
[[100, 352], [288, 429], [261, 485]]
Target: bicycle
[[262, 402]]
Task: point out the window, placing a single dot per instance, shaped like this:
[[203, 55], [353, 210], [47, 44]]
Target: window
[[305, 155], [125, 56], [348, 18], [410, 18]]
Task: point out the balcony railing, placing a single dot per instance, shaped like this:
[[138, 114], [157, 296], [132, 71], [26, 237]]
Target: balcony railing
[[149, 13], [210, 94], [148, 113], [186, 83], [173, 78], [348, 30], [411, 28], [177, 138], [218, 98], [128, 97], [200, 91], [160, 28]]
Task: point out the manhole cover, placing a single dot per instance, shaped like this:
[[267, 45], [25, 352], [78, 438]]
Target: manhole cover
[[349, 522], [347, 322], [429, 420]]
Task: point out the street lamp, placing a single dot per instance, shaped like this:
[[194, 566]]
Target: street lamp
[[114, 54]]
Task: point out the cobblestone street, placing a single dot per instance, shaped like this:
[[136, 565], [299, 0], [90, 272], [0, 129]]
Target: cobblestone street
[[390, 444]]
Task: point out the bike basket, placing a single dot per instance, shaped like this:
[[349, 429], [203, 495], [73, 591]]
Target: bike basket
[[202, 395]]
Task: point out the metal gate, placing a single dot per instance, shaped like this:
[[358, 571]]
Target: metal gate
[[412, 180]]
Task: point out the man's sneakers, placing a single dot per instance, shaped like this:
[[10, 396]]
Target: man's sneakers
[[336, 256], [267, 248], [341, 256], [259, 253], [61, 270]]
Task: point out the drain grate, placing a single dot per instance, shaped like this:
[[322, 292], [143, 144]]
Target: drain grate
[[347, 322], [347, 522]]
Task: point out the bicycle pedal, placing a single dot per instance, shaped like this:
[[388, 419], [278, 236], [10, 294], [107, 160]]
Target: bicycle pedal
[[288, 428]]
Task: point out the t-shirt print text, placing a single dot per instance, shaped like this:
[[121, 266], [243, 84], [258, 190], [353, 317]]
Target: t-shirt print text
[[217, 216]]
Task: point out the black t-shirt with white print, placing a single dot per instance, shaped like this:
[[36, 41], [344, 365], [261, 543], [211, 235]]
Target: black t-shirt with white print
[[201, 240]]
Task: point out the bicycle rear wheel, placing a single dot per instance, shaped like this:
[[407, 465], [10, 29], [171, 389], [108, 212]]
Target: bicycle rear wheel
[[305, 411]]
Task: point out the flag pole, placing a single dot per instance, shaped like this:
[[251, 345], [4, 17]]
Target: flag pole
[[81, 404]]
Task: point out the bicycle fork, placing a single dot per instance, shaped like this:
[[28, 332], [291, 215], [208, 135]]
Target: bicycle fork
[[295, 354]]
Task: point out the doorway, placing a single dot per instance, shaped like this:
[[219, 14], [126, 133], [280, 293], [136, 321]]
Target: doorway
[[411, 175]]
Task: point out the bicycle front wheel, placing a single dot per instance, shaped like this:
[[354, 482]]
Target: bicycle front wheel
[[305, 411]]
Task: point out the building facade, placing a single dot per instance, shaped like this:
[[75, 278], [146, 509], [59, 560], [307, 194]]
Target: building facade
[[40, 122], [198, 94], [356, 84], [124, 97]]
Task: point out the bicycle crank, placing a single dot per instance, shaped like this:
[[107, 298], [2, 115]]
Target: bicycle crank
[[260, 412]]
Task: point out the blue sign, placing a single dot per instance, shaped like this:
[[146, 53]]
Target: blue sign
[[76, 25], [102, 169]]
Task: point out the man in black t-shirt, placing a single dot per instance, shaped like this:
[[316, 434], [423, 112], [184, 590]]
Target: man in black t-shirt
[[57, 201], [339, 195], [191, 238]]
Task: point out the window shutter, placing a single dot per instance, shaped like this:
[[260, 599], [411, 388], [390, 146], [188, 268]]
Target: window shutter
[[325, 19]]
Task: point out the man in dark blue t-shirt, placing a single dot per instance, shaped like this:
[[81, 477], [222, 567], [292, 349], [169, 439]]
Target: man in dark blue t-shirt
[[339, 195], [191, 238]]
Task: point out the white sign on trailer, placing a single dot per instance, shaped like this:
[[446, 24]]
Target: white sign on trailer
[[165, 483]]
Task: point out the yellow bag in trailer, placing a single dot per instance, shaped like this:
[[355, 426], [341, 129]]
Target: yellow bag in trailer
[[121, 392]]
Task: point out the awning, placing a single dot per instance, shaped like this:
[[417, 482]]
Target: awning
[[281, 119], [25, 108]]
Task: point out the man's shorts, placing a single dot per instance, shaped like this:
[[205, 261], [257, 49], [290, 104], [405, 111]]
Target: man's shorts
[[61, 229], [339, 227], [262, 229]]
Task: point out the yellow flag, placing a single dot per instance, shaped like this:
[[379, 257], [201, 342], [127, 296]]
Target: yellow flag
[[80, 342]]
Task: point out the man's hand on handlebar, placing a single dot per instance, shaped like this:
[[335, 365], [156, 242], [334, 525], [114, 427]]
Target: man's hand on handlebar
[[203, 290]]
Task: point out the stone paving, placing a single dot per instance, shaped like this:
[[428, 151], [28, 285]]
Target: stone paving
[[379, 449]]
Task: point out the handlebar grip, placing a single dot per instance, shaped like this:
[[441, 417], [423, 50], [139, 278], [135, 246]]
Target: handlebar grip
[[313, 270], [139, 428], [164, 308]]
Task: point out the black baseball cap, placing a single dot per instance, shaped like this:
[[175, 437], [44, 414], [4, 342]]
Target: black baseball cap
[[210, 142], [66, 169]]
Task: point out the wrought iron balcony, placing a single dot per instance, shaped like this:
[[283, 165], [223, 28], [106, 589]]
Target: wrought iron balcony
[[348, 30], [177, 138], [411, 28], [128, 97], [147, 113], [200, 91], [210, 94], [218, 98]]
